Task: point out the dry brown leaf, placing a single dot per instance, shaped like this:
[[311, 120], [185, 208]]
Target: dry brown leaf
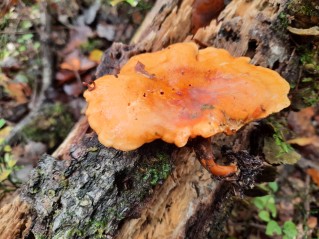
[[64, 76], [19, 91], [303, 141], [300, 122], [314, 175], [72, 64], [312, 222], [6, 5], [75, 61]]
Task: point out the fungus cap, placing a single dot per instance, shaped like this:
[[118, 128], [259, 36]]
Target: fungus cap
[[180, 93]]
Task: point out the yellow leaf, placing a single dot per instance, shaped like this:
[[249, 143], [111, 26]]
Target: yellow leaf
[[114, 2], [11, 163], [5, 132], [7, 148], [4, 175], [96, 55]]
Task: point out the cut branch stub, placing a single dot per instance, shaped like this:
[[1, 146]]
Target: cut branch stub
[[191, 93]]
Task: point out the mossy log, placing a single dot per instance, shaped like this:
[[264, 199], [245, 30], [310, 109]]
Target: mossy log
[[85, 190]]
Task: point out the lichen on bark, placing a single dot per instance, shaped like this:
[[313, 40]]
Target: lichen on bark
[[90, 194]]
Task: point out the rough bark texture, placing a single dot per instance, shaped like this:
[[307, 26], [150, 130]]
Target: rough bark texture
[[157, 191]]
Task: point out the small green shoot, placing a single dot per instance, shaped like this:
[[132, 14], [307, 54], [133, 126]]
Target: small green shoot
[[267, 212], [289, 230], [2, 123], [273, 228], [281, 141], [7, 165]]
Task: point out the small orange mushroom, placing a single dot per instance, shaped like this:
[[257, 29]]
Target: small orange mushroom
[[179, 93]]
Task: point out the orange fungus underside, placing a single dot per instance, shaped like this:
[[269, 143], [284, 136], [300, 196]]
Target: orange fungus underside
[[180, 93]]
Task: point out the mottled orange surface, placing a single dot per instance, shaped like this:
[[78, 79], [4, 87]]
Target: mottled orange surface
[[183, 93]]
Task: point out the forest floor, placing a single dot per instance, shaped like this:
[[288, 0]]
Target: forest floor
[[46, 55]]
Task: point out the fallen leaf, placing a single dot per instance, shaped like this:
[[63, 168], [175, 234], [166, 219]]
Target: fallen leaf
[[300, 122], [275, 155], [303, 141], [19, 91], [5, 174], [72, 65], [71, 62], [64, 76], [312, 222], [75, 61], [4, 132], [96, 56], [314, 175], [6, 5]]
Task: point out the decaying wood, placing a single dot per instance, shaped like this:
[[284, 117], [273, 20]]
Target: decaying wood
[[157, 191], [185, 191], [15, 219]]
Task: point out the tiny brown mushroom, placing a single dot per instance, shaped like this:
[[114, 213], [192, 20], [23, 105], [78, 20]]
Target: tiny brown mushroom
[[196, 93]]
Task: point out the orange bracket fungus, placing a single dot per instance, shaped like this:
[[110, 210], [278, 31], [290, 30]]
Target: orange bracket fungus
[[179, 93]]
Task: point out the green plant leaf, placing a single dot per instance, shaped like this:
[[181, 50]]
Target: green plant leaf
[[264, 215], [259, 203], [26, 24], [133, 3], [27, 36], [2, 123], [273, 186], [22, 48], [7, 157], [273, 228], [272, 208], [290, 230]]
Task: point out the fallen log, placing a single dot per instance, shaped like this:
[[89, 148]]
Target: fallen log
[[86, 190]]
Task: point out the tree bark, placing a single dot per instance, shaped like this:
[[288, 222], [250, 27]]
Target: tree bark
[[157, 191]]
